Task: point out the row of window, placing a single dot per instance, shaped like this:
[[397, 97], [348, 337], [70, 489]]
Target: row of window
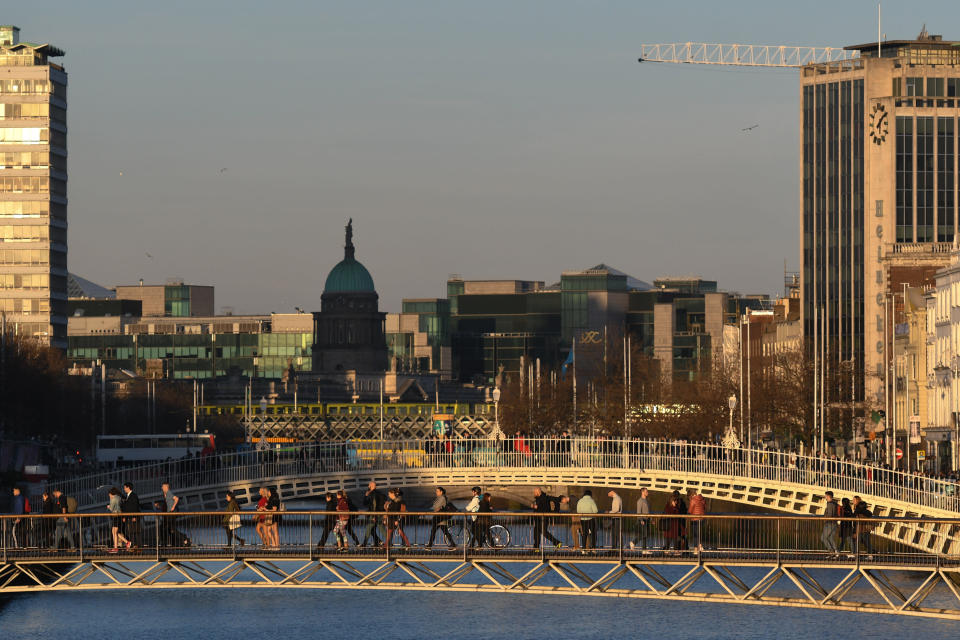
[[32, 209], [25, 305], [15, 110], [32, 184], [33, 257], [32, 135], [31, 232], [25, 58], [32, 160], [30, 86], [24, 280]]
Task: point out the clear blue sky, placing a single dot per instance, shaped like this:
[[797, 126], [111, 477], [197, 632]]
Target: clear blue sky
[[491, 139]]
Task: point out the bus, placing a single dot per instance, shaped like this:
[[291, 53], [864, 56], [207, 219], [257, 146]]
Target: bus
[[155, 447]]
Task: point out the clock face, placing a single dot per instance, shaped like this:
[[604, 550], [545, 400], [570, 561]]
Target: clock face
[[879, 124]]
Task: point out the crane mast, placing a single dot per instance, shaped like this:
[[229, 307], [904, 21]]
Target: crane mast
[[742, 55]]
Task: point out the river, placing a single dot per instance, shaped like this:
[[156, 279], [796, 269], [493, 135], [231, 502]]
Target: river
[[274, 613]]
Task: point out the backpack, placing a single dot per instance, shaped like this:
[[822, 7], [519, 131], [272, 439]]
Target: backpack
[[26, 504], [450, 507], [554, 504], [71, 504]]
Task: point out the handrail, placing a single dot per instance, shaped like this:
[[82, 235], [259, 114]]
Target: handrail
[[634, 454]]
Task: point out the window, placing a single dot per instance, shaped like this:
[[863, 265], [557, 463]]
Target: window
[[945, 179], [904, 185], [924, 209]]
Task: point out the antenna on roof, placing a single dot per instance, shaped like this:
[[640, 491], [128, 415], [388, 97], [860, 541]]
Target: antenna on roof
[[923, 33]]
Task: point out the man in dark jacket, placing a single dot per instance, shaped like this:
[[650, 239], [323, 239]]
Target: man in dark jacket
[[373, 502], [861, 511], [541, 504], [18, 508], [130, 504], [329, 521], [62, 531], [441, 521]]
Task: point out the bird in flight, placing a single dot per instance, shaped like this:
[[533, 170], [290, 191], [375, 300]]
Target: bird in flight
[[223, 170], [750, 128], [148, 255]]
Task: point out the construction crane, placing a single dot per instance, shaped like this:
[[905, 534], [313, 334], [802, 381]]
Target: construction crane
[[742, 55]]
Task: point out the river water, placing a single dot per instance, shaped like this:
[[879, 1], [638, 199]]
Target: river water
[[289, 614]]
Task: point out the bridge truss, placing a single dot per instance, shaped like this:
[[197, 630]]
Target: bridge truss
[[929, 591]]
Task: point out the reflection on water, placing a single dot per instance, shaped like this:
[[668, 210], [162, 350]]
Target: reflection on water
[[304, 613]]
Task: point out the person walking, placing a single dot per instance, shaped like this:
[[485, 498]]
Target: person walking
[[18, 508], [349, 526], [62, 531], [542, 504], [129, 505], [477, 533], [261, 518], [372, 503], [394, 519], [586, 507], [343, 517], [49, 507], [113, 506], [616, 507], [845, 511], [567, 506], [273, 516], [829, 534], [643, 522], [231, 520], [672, 527], [329, 520], [442, 521], [863, 514], [697, 507]]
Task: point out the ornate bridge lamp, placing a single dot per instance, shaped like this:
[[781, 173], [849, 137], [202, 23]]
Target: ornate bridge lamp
[[496, 413], [730, 440]]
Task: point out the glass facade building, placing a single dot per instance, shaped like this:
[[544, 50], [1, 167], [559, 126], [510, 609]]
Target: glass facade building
[[33, 189], [204, 348]]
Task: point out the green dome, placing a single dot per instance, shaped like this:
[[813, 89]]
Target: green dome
[[349, 276]]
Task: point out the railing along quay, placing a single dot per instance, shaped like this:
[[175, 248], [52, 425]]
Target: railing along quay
[[639, 455], [743, 559]]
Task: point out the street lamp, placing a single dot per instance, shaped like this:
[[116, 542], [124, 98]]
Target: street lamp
[[730, 440], [943, 375], [496, 412]]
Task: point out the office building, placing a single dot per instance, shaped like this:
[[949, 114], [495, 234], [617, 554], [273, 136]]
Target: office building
[[172, 300], [878, 178], [33, 189]]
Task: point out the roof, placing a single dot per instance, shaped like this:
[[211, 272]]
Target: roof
[[349, 275], [78, 287], [632, 283]]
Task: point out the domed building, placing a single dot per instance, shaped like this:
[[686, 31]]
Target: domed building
[[348, 331]]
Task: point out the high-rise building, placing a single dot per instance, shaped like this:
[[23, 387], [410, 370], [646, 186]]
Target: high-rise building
[[878, 179], [33, 189]]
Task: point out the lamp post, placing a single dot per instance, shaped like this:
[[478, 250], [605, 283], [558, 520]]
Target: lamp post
[[730, 440], [496, 412], [943, 375]]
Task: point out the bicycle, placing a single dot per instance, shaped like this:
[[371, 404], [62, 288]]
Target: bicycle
[[498, 536]]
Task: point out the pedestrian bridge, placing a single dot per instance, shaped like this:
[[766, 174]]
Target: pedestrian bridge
[[743, 559], [778, 482]]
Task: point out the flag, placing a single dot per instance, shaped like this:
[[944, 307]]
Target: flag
[[569, 361]]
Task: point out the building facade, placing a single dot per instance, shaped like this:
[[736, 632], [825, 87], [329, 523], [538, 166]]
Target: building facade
[[878, 176], [349, 328], [33, 189], [172, 300]]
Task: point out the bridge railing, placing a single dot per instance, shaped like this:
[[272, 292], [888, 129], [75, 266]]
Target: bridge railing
[[635, 455], [231, 534]]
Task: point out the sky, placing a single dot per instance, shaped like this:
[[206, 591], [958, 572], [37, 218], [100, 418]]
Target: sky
[[227, 143]]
